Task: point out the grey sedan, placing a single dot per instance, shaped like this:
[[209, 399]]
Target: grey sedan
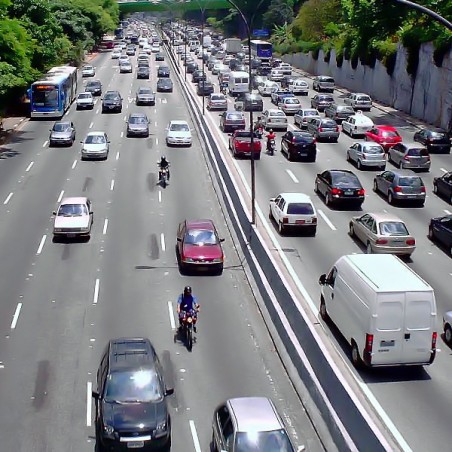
[[412, 157], [401, 186], [137, 125], [145, 96], [62, 132], [323, 129], [321, 101], [367, 154]]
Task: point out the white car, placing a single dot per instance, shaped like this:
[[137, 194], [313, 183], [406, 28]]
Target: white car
[[178, 133], [96, 146], [357, 124], [84, 101], [73, 218], [285, 68], [293, 211], [274, 119], [299, 87], [115, 54], [276, 75], [304, 115], [359, 101], [147, 48], [155, 48], [290, 105], [267, 88], [88, 71], [124, 59], [125, 66]]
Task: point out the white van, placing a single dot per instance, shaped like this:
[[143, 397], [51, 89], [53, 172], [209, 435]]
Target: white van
[[194, 44], [382, 308], [238, 82]]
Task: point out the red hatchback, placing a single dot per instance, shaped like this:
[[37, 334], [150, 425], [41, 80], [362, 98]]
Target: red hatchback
[[387, 136], [199, 247]]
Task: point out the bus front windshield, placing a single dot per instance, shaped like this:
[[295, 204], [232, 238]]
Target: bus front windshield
[[45, 96]]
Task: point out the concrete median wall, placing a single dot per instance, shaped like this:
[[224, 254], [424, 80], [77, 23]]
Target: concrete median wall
[[428, 96]]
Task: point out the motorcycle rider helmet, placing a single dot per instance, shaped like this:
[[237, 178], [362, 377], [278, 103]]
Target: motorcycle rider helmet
[[270, 131], [187, 290]]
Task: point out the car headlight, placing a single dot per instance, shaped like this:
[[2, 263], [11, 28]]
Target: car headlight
[[218, 260], [109, 431], [189, 259], [57, 229], [161, 429]]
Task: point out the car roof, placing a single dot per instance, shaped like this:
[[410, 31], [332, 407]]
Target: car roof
[[296, 197], [125, 353], [74, 200], [136, 115], [254, 414], [63, 122], [200, 224], [178, 121], [403, 173], [95, 133], [388, 128], [384, 216]]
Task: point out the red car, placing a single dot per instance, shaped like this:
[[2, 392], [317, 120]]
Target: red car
[[387, 136], [199, 246], [240, 144]]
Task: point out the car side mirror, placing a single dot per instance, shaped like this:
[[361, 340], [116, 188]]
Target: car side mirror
[[169, 391], [53, 213], [272, 199], [81, 142], [301, 449], [222, 240], [179, 239], [95, 395], [322, 279]]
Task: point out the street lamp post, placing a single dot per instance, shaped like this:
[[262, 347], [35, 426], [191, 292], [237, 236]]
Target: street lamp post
[[202, 55], [185, 52]]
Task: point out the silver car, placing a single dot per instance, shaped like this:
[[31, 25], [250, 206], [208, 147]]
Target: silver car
[[125, 67], [412, 157], [304, 115], [447, 326], [367, 154], [250, 423], [290, 105], [323, 129], [400, 186], [85, 101], [62, 132], [323, 83], [382, 233], [137, 125], [145, 96], [74, 218], [217, 101], [95, 146], [359, 101]]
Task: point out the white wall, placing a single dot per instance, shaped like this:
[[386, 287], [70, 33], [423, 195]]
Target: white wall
[[429, 98]]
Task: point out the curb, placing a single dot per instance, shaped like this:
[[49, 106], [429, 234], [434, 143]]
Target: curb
[[6, 134]]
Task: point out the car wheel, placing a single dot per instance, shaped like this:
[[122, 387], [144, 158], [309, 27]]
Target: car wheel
[[270, 215], [289, 155], [359, 165], [366, 138], [448, 334], [348, 157], [430, 232], [351, 230], [369, 249], [356, 359], [435, 189], [323, 312], [375, 186], [328, 200], [281, 228], [400, 164], [390, 198]]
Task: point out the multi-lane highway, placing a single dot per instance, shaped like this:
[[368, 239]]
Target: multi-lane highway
[[62, 302], [416, 403]]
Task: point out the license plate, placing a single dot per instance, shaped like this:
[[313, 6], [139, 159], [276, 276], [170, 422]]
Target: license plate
[[411, 196], [348, 192], [135, 444], [71, 235]]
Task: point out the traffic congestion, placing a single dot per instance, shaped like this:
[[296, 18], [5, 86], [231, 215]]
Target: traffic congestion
[[130, 317]]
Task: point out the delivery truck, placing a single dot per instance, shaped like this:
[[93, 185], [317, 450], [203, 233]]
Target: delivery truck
[[233, 45], [383, 309]]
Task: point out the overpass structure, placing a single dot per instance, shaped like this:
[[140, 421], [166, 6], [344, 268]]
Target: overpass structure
[[129, 6]]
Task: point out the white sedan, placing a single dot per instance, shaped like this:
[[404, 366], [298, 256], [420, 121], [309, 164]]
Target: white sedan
[[115, 54], [85, 100], [357, 124], [178, 133], [74, 218], [96, 146], [88, 71]]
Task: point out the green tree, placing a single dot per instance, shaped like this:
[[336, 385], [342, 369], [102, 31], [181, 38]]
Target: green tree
[[279, 12]]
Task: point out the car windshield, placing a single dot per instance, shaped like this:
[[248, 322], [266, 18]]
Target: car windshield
[[145, 91], [273, 441], [133, 386], [300, 208], [373, 150], [72, 210], [179, 128], [200, 237], [393, 228], [95, 139], [61, 127], [277, 113], [84, 96], [92, 84], [111, 96], [410, 182], [88, 68], [138, 120]]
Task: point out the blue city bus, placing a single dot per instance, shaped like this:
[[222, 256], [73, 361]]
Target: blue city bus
[[51, 96], [262, 50], [119, 33]]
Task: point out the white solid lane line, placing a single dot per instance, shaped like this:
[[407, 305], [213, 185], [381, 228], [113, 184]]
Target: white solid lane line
[[41, 245], [104, 230], [91, 125], [96, 292], [117, 155], [29, 167], [160, 196], [89, 395], [443, 170], [292, 176], [61, 196], [122, 134], [171, 315], [162, 241], [16, 316], [112, 185], [156, 141], [74, 164], [45, 143], [327, 220], [6, 201], [194, 434]]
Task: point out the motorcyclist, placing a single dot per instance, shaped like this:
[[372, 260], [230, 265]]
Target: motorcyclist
[[259, 124], [223, 87], [164, 165], [270, 136], [186, 303]]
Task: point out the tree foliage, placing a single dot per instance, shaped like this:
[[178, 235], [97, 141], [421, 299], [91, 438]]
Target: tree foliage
[[280, 12]]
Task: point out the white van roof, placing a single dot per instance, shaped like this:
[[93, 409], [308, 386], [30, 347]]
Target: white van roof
[[386, 272]]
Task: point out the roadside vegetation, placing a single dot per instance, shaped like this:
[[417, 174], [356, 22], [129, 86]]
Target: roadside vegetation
[[38, 34]]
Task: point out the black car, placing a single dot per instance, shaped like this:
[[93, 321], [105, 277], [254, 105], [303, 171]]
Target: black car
[[163, 71], [204, 88], [249, 102], [192, 67], [340, 187], [198, 75], [443, 186], [264, 69], [143, 72], [440, 229], [299, 145], [164, 85], [94, 87], [131, 408], [159, 57], [287, 80], [112, 102], [435, 140]]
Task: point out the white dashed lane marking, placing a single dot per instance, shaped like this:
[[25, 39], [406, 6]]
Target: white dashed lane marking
[[327, 220]]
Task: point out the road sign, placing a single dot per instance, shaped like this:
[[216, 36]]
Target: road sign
[[262, 33]]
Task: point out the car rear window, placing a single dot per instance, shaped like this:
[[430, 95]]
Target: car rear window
[[410, 182], [300, 208], [345, 108], [373, 150], [302, 137], [417, 152], [393, 228], [235, 116], [310, 113], [277, 113], [438, 135], [327, 79], [291, 100], [345, 180], [328, 123], [389, 133]]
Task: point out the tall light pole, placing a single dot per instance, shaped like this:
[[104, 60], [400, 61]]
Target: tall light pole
[[185, 52], [203, 10], [248, 25]]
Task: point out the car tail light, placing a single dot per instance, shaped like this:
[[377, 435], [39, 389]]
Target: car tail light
[[314, 141], [411, 242], [337, 129], [381, 241], [336, 191], [423, 189], [293, 140], [406, 157], [434, 337], [368, 349], [285, 220], [314, 220], [361, 192], [397, 189], [320, 129]]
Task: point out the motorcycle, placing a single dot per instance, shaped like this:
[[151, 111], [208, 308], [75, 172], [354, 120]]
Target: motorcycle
[[163, 176], [271, 146], [188, 327], [259, 131], [224, 90]]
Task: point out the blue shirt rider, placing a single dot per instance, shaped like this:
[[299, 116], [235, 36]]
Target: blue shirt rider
[[185, 303]]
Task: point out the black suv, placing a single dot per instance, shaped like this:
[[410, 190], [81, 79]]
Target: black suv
[[112, 101], [131, 409]]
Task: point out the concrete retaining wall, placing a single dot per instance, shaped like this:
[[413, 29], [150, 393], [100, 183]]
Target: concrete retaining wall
[[427, 97]]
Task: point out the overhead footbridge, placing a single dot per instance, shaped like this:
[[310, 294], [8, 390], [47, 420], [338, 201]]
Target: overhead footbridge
[[131, 6]]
